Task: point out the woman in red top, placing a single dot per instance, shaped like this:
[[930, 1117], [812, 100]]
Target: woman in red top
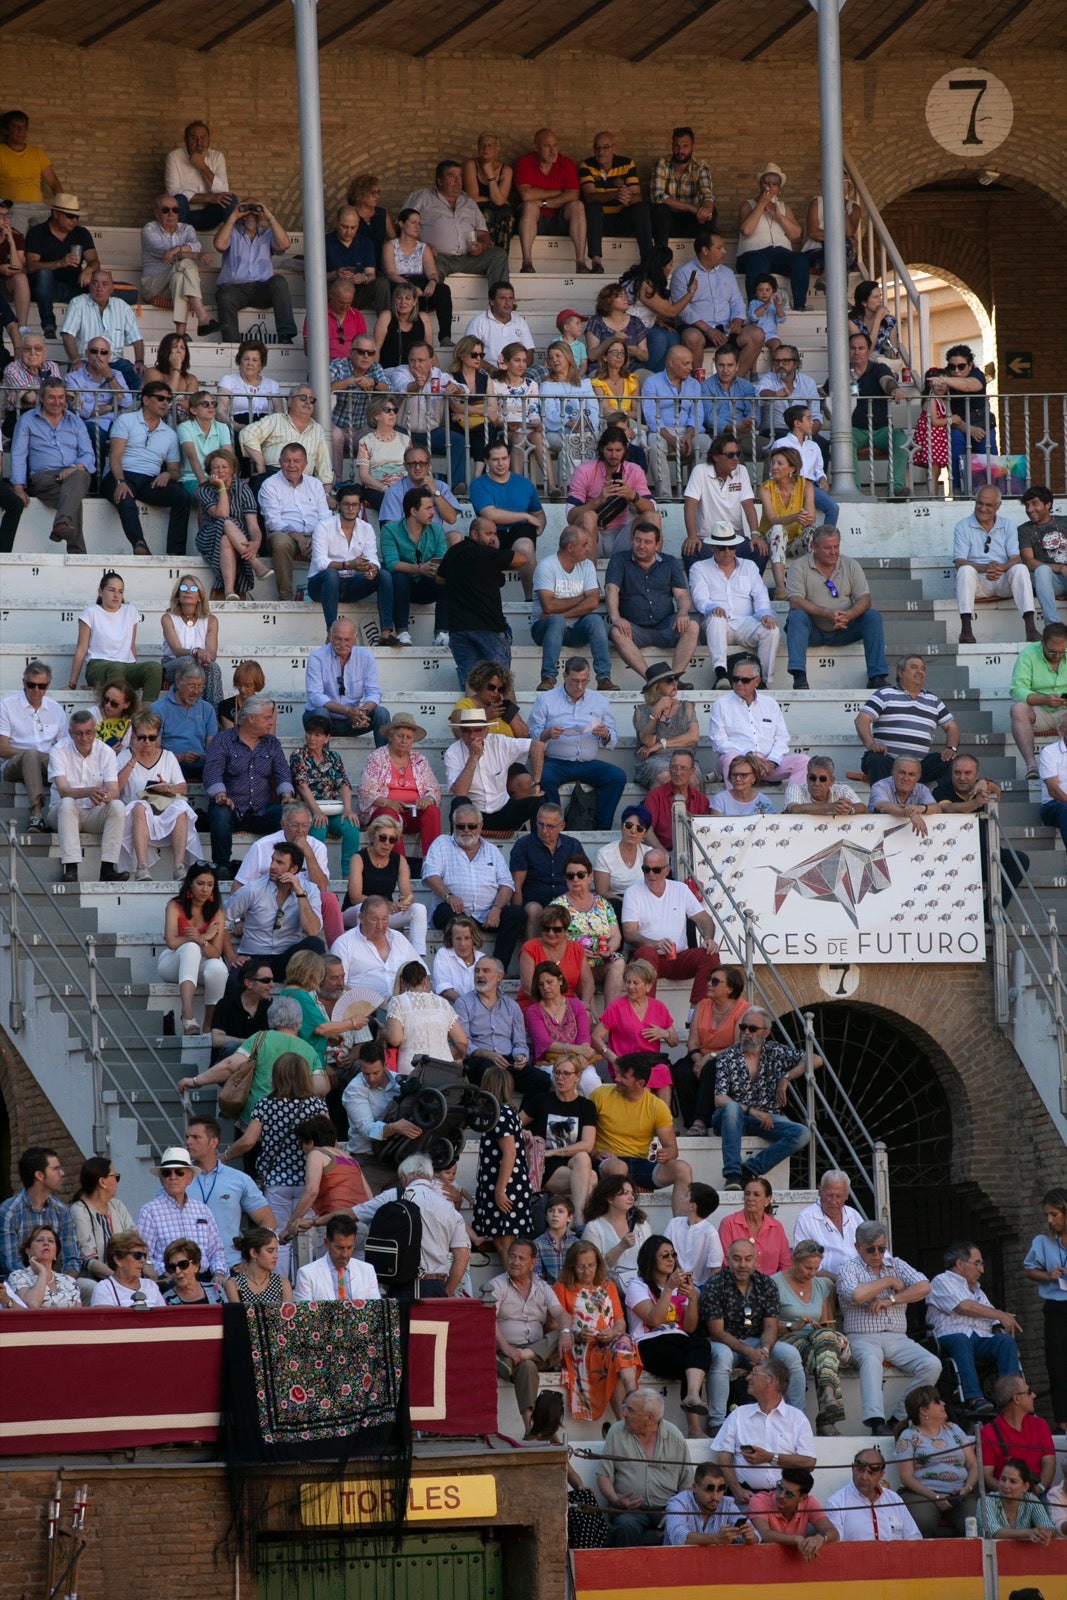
[[755, 1223], [713, 1028], [567, 954], [333, 1180]]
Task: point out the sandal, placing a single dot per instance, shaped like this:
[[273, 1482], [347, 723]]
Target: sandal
[[698, 1131], [694, 1405]]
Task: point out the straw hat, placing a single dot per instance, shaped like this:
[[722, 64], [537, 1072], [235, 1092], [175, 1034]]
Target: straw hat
[[404, 719], [67, 202], [174, 1157]]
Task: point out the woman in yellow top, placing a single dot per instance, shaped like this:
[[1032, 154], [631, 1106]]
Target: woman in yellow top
[[614, 380], [788, 502], [492, 688]]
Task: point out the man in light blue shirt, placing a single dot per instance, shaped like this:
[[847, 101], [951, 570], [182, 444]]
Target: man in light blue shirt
[[246, 241], [98, 390], [52, 459], [985, 549], [341, 682], [575, 722], [226, 1191], [100, 314], [729, 403], [670, 406], [716, 314], [144, 462], [418, 476]]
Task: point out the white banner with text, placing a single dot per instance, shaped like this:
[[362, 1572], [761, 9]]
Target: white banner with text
[[847, 889]]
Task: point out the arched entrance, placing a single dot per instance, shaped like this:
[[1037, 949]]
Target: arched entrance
[[902, 1089]]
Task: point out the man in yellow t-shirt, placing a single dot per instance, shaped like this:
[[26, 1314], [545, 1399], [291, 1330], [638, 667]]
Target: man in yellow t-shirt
[[24, 168], [628, 1118]]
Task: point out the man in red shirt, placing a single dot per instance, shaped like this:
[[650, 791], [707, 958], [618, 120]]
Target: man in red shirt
[[1017, 1431], [660, 800], [790, 1515], [551, 198]]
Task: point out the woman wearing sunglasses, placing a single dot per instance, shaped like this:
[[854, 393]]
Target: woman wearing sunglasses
[[618, 865], [127, 1254], [190, 632], [153, 788], [118, 701], [183, 1260], [594, 925]]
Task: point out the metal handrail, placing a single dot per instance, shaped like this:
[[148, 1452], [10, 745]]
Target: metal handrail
[[904, 290], [90, 987], [687, 849], [1051, 983]]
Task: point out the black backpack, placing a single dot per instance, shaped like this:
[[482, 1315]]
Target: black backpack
[[394, 1246]]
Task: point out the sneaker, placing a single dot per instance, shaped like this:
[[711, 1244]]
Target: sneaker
[[403, 637], [731, 1186], [142, 875], [37, 823], [441, 638]]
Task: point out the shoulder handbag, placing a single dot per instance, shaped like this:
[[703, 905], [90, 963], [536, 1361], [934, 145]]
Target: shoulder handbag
[[235, 1091]]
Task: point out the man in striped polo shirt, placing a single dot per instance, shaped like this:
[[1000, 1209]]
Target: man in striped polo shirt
[[901, 720]]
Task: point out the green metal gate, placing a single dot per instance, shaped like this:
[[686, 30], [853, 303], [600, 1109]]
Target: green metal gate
[[427, 1566]]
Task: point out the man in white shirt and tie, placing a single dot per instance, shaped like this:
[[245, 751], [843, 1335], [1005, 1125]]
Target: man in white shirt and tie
[[336, 1276]]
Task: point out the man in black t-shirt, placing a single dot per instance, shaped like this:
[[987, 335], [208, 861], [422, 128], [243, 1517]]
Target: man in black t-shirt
[[60, 258], [870, 415], [473, 575], [566, 1121]]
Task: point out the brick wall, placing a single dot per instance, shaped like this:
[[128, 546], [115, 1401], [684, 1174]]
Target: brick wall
[[31, 1118], [384, 112], [153, 1529]]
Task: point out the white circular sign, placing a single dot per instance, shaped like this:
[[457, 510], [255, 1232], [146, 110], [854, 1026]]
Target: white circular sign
[[839, 982], [969, 112]]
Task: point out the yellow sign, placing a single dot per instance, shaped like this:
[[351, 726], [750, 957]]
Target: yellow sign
[[429, 1500]]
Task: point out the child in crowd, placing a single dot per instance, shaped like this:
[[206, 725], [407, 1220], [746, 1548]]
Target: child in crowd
[[571, 325], [766, 311], [695, 1237], [559, 1235], [319, 775]]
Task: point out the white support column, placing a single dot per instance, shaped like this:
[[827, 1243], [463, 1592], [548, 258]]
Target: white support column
[[305, 16]]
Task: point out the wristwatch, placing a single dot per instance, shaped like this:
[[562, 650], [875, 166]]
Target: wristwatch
[[774, 1459]]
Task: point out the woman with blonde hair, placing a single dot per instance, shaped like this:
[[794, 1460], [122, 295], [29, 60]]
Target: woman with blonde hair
[[304, 975], [570, 409], [153, 788], [190, 632], [788, 512], [487, 179], [663, 724], [248, 679]]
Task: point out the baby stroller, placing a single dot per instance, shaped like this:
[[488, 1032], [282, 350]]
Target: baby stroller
[[442, 1104]]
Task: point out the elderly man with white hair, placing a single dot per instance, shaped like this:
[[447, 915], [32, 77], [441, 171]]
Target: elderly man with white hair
[[830, 1222], [445, 1253], [731, 596], [758, 1439], [985, 551], [645, 1464], [85, 798], [874, 1289]]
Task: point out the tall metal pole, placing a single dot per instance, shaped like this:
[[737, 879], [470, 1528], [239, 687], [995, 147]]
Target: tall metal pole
[[842, 481], [305, 14]]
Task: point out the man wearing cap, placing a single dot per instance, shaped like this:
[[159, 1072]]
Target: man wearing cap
[[477, 766], [830, 604], [732, 598], [500, 324], [52, 459], [648, 604], [60, 258], [769, 235], [176, 1214], [341, 682]]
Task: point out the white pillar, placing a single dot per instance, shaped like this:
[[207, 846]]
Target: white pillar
[[305, 15]]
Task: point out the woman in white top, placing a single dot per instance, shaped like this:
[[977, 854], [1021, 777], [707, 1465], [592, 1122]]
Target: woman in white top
[[768, 236], [521, 409], [380, 455], [421, 1023], [406, 259], [618, 865], [616, 1227], [152, 778], [246, 394], [107, 643], [454, 963], [814, 244], [127, 1254], [36, 1285], [191, 632]]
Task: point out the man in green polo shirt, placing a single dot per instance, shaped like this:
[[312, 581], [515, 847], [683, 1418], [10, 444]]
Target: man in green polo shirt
[[411, 550], [1039, 691]]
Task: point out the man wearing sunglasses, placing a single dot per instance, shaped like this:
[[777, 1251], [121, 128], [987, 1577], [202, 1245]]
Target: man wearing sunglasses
[[171, 259], [752, 1081], [177, 1214], [654, 916], [867, 1508], [720, 490], [985, 551], [60, 258], [469, 877], [748, 723], [830, 604], [100, 314], [874, 1288], [478, 764], [31, 723]]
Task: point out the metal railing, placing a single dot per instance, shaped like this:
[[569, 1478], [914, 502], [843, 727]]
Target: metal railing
[[867, 1156], [1011, 949], [80, 997], [1025, 436], [882, 261]]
